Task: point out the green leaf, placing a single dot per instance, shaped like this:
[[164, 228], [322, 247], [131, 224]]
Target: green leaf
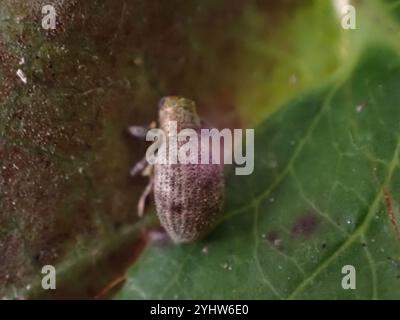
[[324, 194]]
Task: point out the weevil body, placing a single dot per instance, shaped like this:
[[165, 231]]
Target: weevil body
[[188, 197]]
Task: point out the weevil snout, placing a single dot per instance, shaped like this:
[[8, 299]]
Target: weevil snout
[[172, 103], [178, 109]]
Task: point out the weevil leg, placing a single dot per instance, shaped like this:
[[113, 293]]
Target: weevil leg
[[142, 166], [139, 167], [140, 131], [142, 200]]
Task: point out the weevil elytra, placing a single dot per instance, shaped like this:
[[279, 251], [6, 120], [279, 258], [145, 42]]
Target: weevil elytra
[[188, 197]]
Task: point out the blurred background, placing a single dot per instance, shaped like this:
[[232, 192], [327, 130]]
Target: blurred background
[[66, 196]]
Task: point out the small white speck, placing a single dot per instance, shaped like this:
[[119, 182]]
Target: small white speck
[[227, 267], [205, 250], [271, 200], [293, 79], [277, 242], [22, 76], [28, 287], [22, 61], [359, 108], [272, 164], [138, 61]]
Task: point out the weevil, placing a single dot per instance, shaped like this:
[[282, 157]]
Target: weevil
[[188, 197]]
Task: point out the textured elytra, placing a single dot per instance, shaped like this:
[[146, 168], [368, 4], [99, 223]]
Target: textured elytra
[[188, 196]]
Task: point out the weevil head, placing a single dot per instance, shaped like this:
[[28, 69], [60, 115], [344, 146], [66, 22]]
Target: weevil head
[[178, 109], [175, 103]]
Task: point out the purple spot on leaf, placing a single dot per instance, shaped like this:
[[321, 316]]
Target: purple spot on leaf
[[305, 226]]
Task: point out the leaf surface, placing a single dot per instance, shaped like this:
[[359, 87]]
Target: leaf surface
[[324, 194]]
